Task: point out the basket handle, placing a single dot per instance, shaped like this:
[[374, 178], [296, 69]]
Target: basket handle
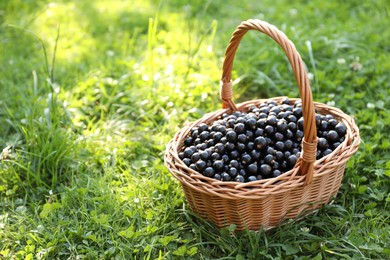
[[309, 143]]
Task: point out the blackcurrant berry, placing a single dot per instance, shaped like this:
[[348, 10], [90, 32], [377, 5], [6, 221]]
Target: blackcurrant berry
[[217, 176], [251, 123], [188, 152], [333, 136], [201, 165], [195, 157], [255, 154], [261, 122], [278, 136], [272, 120], [269, 130], [202, 127], [239, 178], [291, 160], [232, 172], [217, 136], [282, 126], [225, 176], [252, 178], [231, 136], [239, 128], [252, 169], [241, 147], [220, 148], [229, 146], [234, 163], [187, 161], [218, 165], [233, 155], [288, 144], [265, 170], [188, 141], [269, 159], [276, 173], [279, 146], [341, 129], [246, 159], [324, 126], [326, 152], [322, 143], [215, 156], [241, 138]]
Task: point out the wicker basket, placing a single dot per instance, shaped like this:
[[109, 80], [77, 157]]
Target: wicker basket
[[308, 186]]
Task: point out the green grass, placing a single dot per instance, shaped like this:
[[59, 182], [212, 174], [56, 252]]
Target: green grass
[[92, 91]]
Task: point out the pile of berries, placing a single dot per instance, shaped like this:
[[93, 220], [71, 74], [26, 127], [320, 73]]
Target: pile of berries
[[262, 143]]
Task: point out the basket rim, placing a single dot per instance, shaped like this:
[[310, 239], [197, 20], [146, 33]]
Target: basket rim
[[286, 181]]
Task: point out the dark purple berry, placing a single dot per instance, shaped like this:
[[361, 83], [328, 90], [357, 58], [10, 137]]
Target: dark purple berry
[[326, 152], [291, 160], [187, 161], [276, 173], [217, 176], [195, 157], [239, 178], [292, 119], [269, 130], [203, 155], [193, 167], [278, 136], [232, 172], [241, 147], [335, 145], [323, 126], [288, 144], [225, 176], [218, 165], [322, 143], [279, 146], [299, 135], [233, 154], [272, 120], [231, 136], [341, 129], [239, 128], [282, 126], [201, 165], [269, 159], [251, 123], [220, 148], [234, 163], [246, 159], [202, 127], [255, 154], [332, 122], [260, 142], [265, 170], [215, 156], [188, 152], [333, 136], [252, 169], [242, 138], [217, 136], [188, 141], [252, 178]]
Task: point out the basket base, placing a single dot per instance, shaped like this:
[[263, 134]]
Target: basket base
[[264, 212]]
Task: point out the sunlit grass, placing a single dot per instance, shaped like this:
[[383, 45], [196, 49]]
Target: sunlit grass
[[83, 174]]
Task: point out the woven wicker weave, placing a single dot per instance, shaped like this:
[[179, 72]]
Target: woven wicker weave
[[308, 186]]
